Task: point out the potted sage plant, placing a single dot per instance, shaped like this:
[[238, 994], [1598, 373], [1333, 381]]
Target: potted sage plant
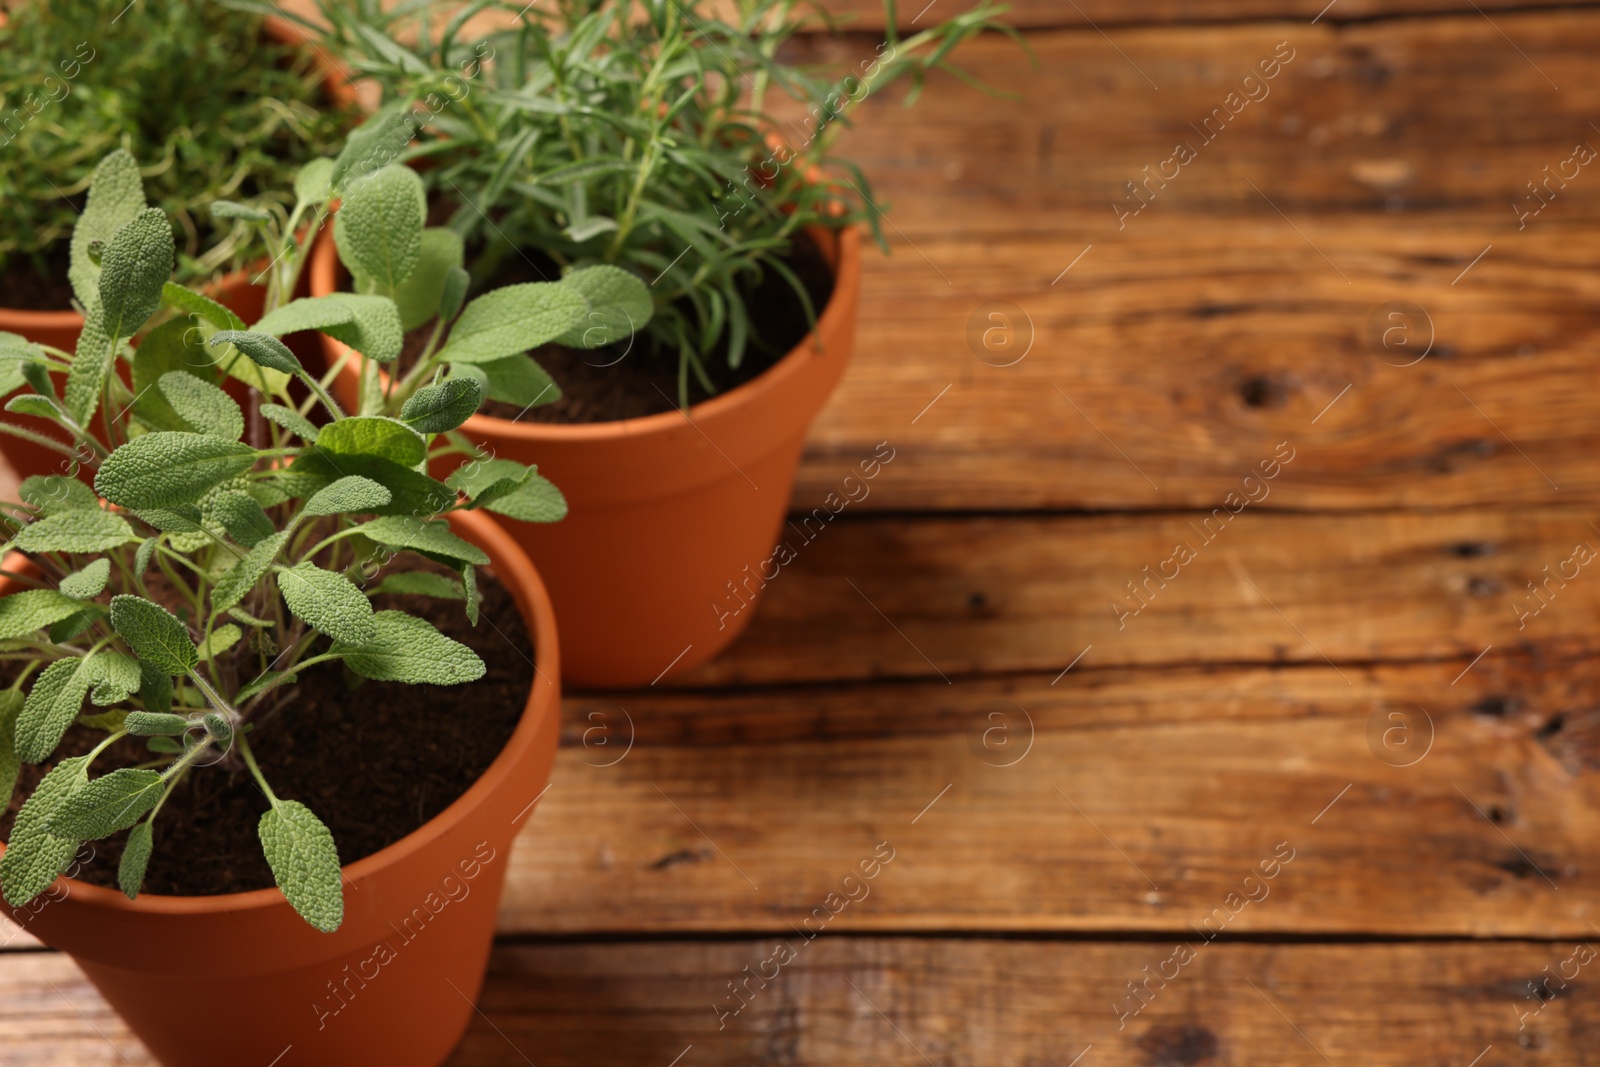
[[250, 707]]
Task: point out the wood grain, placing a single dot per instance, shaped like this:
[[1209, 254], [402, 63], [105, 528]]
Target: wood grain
[[1109, 801], [878, 1002], [946, 597], [1249, 293]]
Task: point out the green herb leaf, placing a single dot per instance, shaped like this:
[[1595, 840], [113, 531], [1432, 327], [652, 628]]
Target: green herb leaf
[[406, 532], [454, 291], [469, 581], [154, 633], [349, 494], [87, 583], [54, 493], [222, 638], [10, 765], [135, 858], [116, 195], [160, 470], [374, 328], [75, 531], [135, 265], [232, 209], [242, 517], [328, 602], [202, 406], [149, 724], [70, 627], [192, 303], [513, 319], [37, 406], [420, 583], [418, 297], [378, 229], [263, 349], [243, 575], [33, 609], [52, 704], [373, 435], [180, 518], [412, 493], [290, 420], [483, 480], [35, 857], [174, 346], [114, 677], [620, 305], [314, 183], [107, 804], [441, 408], [91, 366], [304, 862], [535, 500], [409, 649], [516, 380], [155, 688]]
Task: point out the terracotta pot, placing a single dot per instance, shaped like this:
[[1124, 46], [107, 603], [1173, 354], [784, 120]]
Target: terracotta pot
[[241, 979], [60, 328], [671, 515]]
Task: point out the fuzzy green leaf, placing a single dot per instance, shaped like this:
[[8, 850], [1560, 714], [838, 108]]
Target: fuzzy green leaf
[[135, 265], [154, 633], [242, 517], [116, 195], [222, 638], [149, 724], [373, 435], [37, 406], [513, 319], [454, 291], [55, 493], [266, 681], [421, 583], [469, 582], [304, 862], [620, 305], [484, 480], [516, 380], [405, 532], [76, 531], [10, 765], [192, 303], [135, 858], [180, 518], [314, 183], [535, 500], [263, 349], [418, 298], [87, 583], [155, 688], [349, 494], [107, 804], [290, 420], [370, 325], [52, 704], [378, 229], [409, 649], [114, 677], [441, 408], [34, 857], [66, 629], [33, 609], [243, 575], [232, 209], [309, 313], [173, 346], [412, 493], [328, 602], [202, 406], [160, 470], [91, 366]]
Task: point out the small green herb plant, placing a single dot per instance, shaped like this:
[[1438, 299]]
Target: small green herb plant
[[221, 553], [676, 139], [210, 107]]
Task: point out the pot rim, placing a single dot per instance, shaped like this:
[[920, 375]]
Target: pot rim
[[544, 698], [846, 274], [335, 83]]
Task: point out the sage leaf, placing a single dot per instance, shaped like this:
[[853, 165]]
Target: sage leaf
[[91, 366], [202, 406], [52, 704], [409, 649], [304, 862], [417, 298], [55, 493], [35, 857], [192, 303], [620, 305], [483, 480], [432, 537], [242, 517], [469, 582], [328, 602], [33, 609], [155, 688], [232, 209], [135, 858], [516, 380], [263, 349], [162, 469], [243, 575], [87, 583], [107, 804], [378, 230], [441, 408], [412, 493], [373, 435], [135, 265], [314, 183], [349, 494], [116, 195], [180, 518], [290, 420], [10, 765], [222, 638], [420, 583], [151, 724], [513, 319], [536, 500], [76, 531], [173, 346], [154, 633]]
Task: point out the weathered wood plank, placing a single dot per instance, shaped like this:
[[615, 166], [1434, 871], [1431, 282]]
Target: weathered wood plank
[[945, 597], [1112, 800], [1185, 338], [875, 1002]]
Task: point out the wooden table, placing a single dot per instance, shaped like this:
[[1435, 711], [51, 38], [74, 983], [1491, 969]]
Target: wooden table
[[1314, 787]]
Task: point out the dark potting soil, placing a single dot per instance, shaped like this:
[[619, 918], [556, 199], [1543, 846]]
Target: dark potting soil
[[38, 286], [628, 381], [373, 760]]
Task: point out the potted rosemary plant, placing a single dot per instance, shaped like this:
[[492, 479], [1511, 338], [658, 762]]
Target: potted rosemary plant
[[300, 764], [673, 140], [217, 105]]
